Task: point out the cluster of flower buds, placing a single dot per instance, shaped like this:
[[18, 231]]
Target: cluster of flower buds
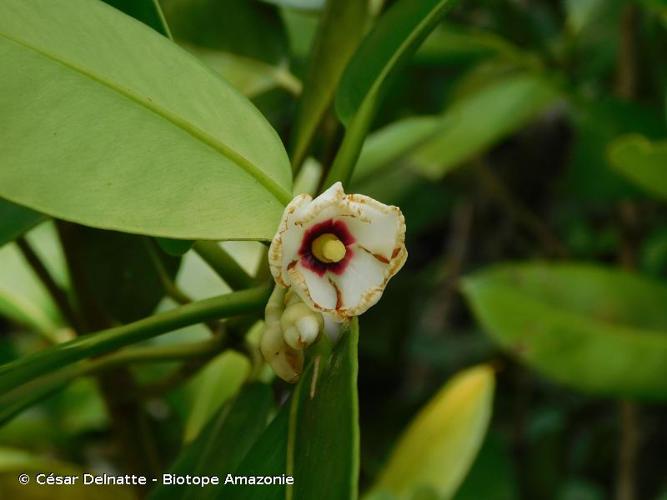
[[332, 258]]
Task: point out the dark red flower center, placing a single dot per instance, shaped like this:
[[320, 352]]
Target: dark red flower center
[[310, 261]]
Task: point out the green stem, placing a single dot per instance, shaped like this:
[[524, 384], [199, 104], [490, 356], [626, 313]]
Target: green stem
[[30, 367], [348, 154], [55, 291], [32, 392], [168, 284], [224, 265]]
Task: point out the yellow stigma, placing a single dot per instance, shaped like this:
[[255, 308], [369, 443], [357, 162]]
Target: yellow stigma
[[328, 248]]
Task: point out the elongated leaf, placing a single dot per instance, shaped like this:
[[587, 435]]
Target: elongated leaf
[[251, 77], [222, 444], [217, 383], [267, 457], [440, 444], [595, 329], [384, 148], [137, 135], [641, 161], [452, 43], [341, 27], [16, 220], [310, 5], [479, 120], [30, 367], [395, 37], [146, 11], [323, 446]]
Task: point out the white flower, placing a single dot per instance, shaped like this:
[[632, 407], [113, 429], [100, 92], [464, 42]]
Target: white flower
[[338, 251]]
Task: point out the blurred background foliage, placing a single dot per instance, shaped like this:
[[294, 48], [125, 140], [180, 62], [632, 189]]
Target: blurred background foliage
[[524, 131]]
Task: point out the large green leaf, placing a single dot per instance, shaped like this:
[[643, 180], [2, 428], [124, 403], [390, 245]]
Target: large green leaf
[[146, 11], [439, 446], [641, 161], [323, 446], [599, 330], [134, 134], [222, 444], [395, 37], [479, 120], [16, 220], [331, 52]]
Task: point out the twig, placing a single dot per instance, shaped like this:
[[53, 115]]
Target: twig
[[172, 290], [58, 295], [224, 265], [628, 451]]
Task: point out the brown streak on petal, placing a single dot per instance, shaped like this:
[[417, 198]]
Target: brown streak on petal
[[395, 253], [378, 256], [292, 264], [339, 295]]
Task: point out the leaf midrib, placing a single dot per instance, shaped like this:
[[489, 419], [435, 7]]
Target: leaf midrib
[[282, 195]]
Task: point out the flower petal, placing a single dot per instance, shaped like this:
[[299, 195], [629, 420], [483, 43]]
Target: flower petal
[[285, 243], [362, 285], [380, 230], [314, 290]]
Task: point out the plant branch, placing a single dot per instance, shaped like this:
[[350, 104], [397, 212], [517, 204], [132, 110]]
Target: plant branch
[[30, 367], [628, 451], [58, 295], [224, 265], [171, 289], [34, 391]]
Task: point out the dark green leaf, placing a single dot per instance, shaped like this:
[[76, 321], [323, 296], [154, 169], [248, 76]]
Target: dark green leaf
[[119, 275], [395, 37], [598, 330], [146, 11], [16, 220], [267, 457], [331, 52], [246, 28], [175, 248], [222, 444], [597, 124], [323, 444]]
